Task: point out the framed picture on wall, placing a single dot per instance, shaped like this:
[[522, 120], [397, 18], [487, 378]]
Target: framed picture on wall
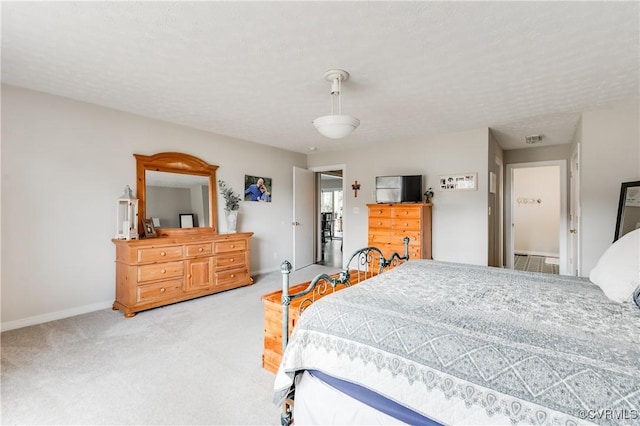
[[257, 188], [186, 220], [458, 182]]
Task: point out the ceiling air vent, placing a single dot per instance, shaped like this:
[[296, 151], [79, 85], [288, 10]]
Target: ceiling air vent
[[533, 139]]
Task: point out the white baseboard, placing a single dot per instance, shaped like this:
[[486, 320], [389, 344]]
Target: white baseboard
[[265, 271], [536, 253], [52, 316]]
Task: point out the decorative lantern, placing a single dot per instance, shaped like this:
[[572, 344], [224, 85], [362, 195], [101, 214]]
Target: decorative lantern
[[127, 217]]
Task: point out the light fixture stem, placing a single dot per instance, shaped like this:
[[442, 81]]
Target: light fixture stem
[[331, 100], [339, 96]]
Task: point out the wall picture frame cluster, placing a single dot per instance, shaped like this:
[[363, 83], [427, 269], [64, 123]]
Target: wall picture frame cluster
[[458, 182]]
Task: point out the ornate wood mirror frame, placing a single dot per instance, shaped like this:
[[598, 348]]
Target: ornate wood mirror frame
[[176, 162], [628, 209]]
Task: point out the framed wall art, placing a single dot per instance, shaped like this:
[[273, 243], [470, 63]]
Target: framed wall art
[[458, 182], [257, 188]]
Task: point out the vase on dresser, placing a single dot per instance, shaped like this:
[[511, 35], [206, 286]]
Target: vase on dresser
[[232, 220]]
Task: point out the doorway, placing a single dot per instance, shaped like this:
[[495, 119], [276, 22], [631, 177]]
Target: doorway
[[537, 217], [331, 221]]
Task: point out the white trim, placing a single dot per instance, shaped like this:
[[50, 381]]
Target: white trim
[[53, 316], [563, 231], [536, 253]]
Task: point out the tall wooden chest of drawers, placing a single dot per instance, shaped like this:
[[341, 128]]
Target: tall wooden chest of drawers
[[390, 223], [158, 271]]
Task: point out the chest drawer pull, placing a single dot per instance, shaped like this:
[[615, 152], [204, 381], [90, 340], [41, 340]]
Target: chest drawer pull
[[163, 271], [162, 290], [163, 253], [200, 249], [232, 275]]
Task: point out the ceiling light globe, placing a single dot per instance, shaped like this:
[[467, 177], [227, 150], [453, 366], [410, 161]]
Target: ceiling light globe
[[336, 126]]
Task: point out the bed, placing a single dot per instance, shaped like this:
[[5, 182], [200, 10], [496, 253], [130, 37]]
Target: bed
[[431, 342]]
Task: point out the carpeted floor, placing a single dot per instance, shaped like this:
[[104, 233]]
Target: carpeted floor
[[196, 362], [530, 263]]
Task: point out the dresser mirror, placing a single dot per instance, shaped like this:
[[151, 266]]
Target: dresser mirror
[[628, 209], [171, 185]]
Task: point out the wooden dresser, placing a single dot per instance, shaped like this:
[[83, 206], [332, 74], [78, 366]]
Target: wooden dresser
[[158, 271], [390, 223]]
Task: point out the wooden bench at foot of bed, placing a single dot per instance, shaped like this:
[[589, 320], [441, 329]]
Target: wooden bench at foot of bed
[[273, 316]]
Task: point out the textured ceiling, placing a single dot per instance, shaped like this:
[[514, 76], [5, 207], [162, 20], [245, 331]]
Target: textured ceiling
[[255, 71]]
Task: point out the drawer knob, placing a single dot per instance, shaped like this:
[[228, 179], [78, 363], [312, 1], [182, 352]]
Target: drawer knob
[[232, 246], [200, 249], [162, 290], [379, 223], [163, 271], [406, 224], [188, 275], [232, 275], [232, 260], [162, 253]]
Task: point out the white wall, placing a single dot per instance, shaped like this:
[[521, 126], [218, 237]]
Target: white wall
[[610, 155], [459, 218], [64, 163], [536, 225]]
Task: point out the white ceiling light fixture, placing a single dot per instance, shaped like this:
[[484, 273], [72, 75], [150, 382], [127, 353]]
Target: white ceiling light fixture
[[336, 126]]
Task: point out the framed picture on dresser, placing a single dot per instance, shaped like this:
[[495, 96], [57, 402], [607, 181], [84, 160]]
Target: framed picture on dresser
[[186, 220], [149, 229]]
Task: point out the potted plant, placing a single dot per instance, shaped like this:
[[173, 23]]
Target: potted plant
[[428, 195], [231, 205]]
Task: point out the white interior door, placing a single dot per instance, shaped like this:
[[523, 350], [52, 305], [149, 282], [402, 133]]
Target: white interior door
[[303, 225], [574, 214]]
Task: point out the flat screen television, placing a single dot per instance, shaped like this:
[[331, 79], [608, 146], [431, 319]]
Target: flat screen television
[[399, 189]]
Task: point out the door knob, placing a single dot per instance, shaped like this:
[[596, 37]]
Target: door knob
[[296, 223], [573, 231]]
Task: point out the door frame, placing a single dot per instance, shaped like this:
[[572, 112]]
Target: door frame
[[563, 228], [574, 213], [317, 170]]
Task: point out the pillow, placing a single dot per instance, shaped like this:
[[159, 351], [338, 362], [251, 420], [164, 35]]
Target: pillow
[[617, 272], [636, 296]]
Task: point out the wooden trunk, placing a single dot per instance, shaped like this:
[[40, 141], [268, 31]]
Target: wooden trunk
[[273, 317]]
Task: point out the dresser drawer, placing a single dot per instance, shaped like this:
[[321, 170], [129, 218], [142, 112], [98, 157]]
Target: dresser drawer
[[379, 223], [379, 212], [377, 238], [397, 236], [159, 291], [159, 254], [406, 213], [405, 224], [230, 260], [232, 276], [228, 246], [160, 271], [198, 250]]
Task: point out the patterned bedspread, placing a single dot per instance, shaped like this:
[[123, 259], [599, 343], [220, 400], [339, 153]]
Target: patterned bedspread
[[457, 342]]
